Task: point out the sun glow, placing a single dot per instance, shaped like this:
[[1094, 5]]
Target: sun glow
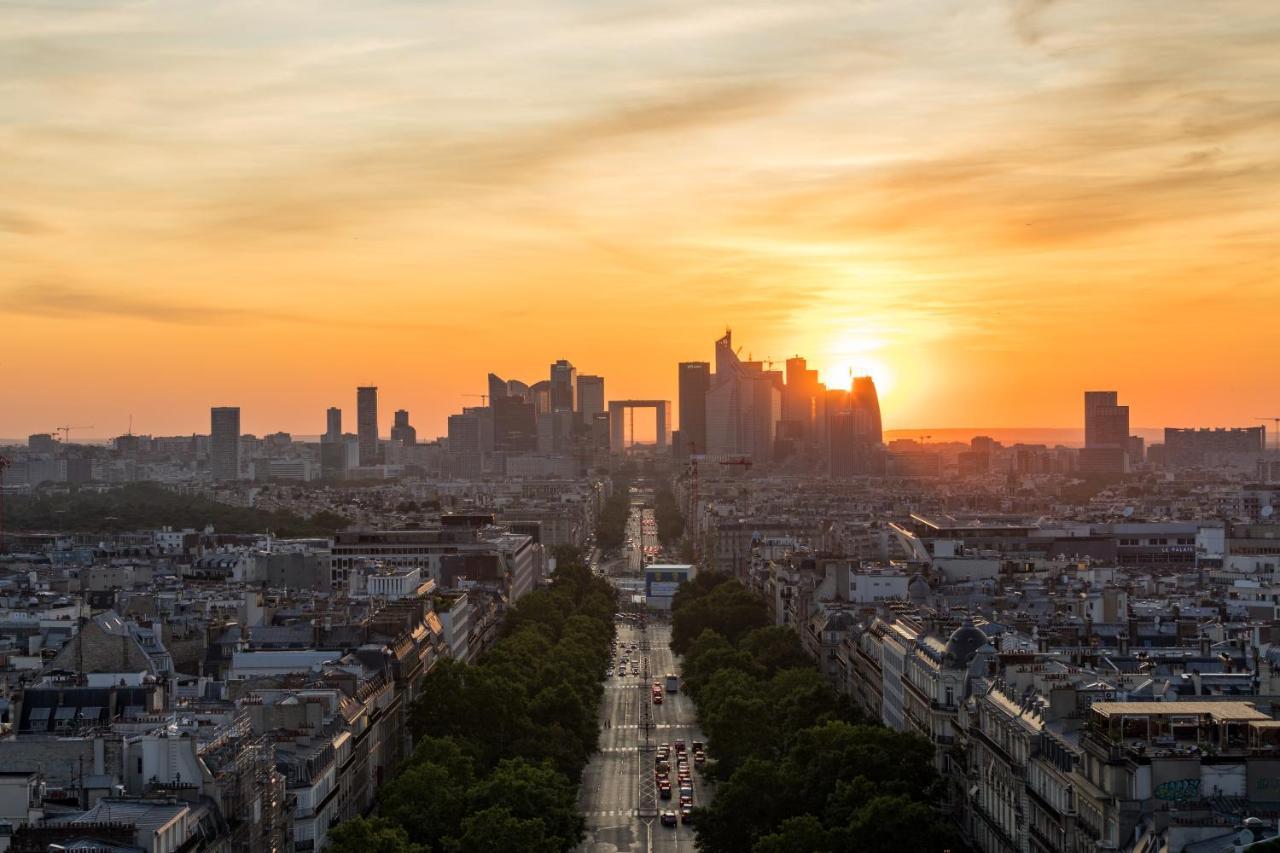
[[848, 358]]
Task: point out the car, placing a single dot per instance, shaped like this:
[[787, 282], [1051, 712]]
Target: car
[[668, 818]]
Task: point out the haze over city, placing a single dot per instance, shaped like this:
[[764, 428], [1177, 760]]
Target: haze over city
[[985, 207]]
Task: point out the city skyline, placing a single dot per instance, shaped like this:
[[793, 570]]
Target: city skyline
[[987, 210]]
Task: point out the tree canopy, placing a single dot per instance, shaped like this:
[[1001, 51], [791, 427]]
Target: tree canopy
[[800, 770], [139, 506], [500, 745]]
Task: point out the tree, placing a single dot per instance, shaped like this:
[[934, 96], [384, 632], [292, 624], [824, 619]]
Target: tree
[[803, 834], [361, 835], [496, 830], [776, 647], [749, 806], [427, 800], [893, 824], [482, 710], [729, 609], [533, 792]]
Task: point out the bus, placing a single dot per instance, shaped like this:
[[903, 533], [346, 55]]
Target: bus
[[673, 683]]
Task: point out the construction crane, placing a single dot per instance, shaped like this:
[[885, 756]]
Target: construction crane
[[484, 398], [1275, 430], [4, 463], [66, 431]]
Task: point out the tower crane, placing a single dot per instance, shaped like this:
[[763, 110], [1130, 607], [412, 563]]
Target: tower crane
[[1275, 430], [66, 431]]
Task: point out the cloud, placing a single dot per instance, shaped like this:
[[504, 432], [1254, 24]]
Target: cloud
[[58, 299], [1026, 16], [18, 223], [422, 170]]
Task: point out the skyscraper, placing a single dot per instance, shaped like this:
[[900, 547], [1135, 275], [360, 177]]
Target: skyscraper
[[497, 387], [224, 442], [367, 423], [563, 376], [401, 431], [590, 397], [1106, 434], [695, 379], [854, 430], [515, 424], [333, 425], [743, 407], [1106, 424], [864, 402]]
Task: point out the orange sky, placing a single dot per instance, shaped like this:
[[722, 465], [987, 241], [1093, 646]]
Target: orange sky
[[990, 207]]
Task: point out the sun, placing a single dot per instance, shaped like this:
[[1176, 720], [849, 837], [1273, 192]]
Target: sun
[[856, 357]]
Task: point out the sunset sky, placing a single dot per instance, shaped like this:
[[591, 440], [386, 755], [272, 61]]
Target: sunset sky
[[989, 206]]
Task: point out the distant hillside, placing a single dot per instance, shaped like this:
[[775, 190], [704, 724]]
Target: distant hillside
[[142, 506]]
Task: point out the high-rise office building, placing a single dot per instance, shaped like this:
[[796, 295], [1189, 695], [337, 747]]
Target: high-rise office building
[[401, 431], [367, 423], [1106, 434], [516, 388], [497, 387], [695, 380], [743, 407], [540, 395], [1106, 424], [590, 400], [333, 425], [224, 442], [854, 430], [864, 402], [515, 425], [563, 378]]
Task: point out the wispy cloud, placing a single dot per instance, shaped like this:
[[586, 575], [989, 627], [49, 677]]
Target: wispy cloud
[[14, 222], [58, 299]]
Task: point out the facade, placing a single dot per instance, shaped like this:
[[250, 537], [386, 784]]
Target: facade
[[563, 380], [590, 400], [367, 424], [744, 405], [1106, 434], [694, 382], [401, 431], [224, 443], [1183, 447]]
